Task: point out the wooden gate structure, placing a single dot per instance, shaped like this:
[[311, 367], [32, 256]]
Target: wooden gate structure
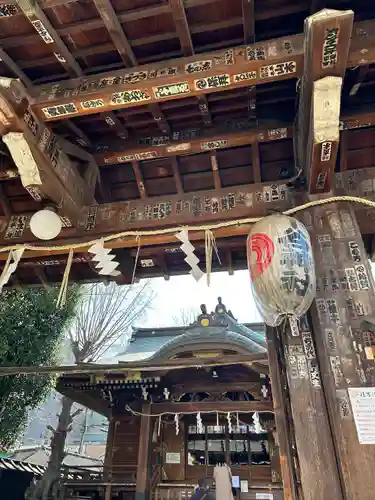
[[137, 117]]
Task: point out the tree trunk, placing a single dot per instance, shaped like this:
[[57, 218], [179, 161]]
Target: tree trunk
[[42, 488]]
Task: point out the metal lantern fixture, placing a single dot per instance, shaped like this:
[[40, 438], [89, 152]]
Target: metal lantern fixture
[[281, 268]]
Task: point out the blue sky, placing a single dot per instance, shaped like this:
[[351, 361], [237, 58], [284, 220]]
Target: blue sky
[[184, 292]]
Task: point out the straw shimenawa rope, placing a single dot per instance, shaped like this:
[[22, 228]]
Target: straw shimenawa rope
[[204, 227]]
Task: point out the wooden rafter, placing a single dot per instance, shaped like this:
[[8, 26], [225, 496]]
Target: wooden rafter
[[139, 178], [115, 124], [256, 162], [123, 47], [215, 170], [327, 42], [176, 175], [132, 15], [248, 15], [4, 202], [187, 47], [178, 79], [80, 136], [111, 22], [8, 61], [48, 34]]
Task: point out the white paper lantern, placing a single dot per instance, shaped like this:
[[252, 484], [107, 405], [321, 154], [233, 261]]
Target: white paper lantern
[[281, 266]]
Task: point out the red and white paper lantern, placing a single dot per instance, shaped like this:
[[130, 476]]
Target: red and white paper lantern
[[282, 268]]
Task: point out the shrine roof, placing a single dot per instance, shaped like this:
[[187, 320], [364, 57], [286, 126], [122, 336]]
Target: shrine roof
[[150, 343]]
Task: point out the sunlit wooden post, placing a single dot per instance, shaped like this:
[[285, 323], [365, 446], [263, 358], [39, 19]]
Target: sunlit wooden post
[[345, 296]]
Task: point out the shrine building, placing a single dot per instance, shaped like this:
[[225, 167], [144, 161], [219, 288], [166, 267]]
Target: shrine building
[[171, 424]]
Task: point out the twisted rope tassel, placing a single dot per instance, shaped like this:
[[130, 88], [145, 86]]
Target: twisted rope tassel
[[61, 300], [138, 240], [210, 243]]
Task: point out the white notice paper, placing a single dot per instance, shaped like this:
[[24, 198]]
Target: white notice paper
[[363, 405], [264, 496], [172, 458], [236, 481], [244, 486]]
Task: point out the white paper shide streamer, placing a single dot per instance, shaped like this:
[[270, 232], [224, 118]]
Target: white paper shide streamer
[[105, 263], [282, 268], [10, 266], [190, 258], [257, 425]]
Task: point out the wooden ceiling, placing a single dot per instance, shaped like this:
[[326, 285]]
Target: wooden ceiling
[[135, 134]]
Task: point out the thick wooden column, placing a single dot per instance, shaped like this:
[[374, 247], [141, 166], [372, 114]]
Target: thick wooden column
[[314, 443], [281, 405], [143, 454], [345, 297]]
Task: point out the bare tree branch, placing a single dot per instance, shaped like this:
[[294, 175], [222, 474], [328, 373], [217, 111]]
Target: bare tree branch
[[103, 318]]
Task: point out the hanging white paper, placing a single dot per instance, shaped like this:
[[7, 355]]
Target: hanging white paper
[[363, 405], [236, 481], [15, 257], [244, 483], [105, 263], [190, 258]]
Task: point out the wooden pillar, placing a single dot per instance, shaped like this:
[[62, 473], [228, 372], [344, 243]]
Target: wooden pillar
[[280, 404], [314, 443], [344, 298], [143, 454]]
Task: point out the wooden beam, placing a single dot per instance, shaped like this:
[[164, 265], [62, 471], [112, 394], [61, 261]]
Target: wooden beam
[[256, 162], [114, 123], [195, 208], [45, 169], [144, 365], [162, 211], [182, 28], [344, 151], [204, 110], [170, 147], [192, 76], [263, 62], [48, 34], [123, 47], [13, 66], [139, 178], [248, 21], [187, 47], [176, 175], [7, 209], [39, 271], [114, 28], [198, 141], [213, 406], [361, 75], [215, 170], [141, 492], [159, 117], [81, 137], [327, 42]]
